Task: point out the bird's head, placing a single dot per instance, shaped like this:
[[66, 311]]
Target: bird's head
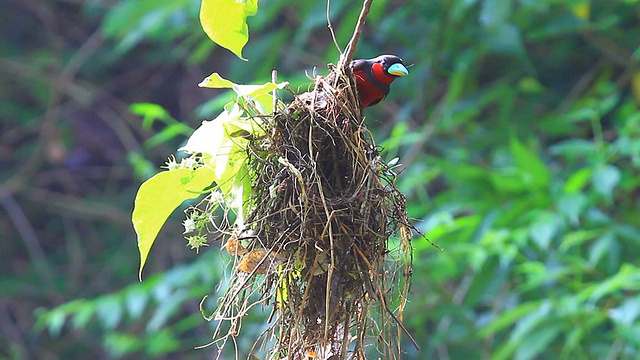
[[392, 65]]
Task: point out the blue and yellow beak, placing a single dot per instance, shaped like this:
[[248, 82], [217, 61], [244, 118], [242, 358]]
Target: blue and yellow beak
[[398, 69]]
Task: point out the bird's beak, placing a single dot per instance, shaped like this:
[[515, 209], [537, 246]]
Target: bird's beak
[[398, 69]]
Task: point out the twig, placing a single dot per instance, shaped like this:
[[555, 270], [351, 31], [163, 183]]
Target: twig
[[274, 79], [24, 227], [333, 34], [351, 47]]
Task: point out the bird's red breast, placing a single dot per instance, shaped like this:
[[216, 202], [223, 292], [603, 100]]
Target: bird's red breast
[[374, 76]]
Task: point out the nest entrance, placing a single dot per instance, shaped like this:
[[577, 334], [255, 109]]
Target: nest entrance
[[318, 243]]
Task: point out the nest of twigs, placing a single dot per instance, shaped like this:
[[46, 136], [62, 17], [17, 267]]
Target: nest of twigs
[[327, 241]]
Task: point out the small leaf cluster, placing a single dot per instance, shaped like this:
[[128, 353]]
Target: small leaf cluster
[[216, 165]]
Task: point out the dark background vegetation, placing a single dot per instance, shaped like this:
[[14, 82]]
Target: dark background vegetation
[[518, 129]]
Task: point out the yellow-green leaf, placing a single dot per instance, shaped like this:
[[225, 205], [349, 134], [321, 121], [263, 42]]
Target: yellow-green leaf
[[226, 154], [158, 197], [260, 94], [225, 22], [582, 10], [240, 192], [635, 86], [211, 137], [215, 81]]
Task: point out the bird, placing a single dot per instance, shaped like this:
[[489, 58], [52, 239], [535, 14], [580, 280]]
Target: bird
[[373, 77]]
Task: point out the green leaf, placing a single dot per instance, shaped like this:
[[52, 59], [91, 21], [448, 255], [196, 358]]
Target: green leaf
[[162, 342], [215, 81], [505, 38], [572, 206], [211, 138], [535, 274], [530, 163], [604, 179], [523, 329], [508, 318], [166, 308], [544, 228], [130, 22], [628, 278], [508, 181], [601, 247], [150, 113], [55, 320], [494, 12], [109, 311], [486, 281], [136, 301], [537, 342], [631, 335], [457, 85], [577, 238], [226, 154], [225, 22], [578, 180], [573, 148], [530, 85], [626, 313], [232, 163], [168, 133], [261, 94], [575, 337], [142, 167], [158, 197], [82, 314], [120, 344]]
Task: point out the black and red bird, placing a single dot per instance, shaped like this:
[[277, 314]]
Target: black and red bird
[[374, 76]]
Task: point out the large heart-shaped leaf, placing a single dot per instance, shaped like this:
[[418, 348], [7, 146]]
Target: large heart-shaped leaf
[[225, 22], [158, 197]]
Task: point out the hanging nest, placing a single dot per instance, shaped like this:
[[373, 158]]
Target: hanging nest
[[327, 241]]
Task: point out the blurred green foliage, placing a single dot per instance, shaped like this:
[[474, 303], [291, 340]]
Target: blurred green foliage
[[518, 130]]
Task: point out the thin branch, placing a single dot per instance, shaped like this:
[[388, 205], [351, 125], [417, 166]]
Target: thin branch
[[351, 47], [26, 230], [274, 79], [333, 34]]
